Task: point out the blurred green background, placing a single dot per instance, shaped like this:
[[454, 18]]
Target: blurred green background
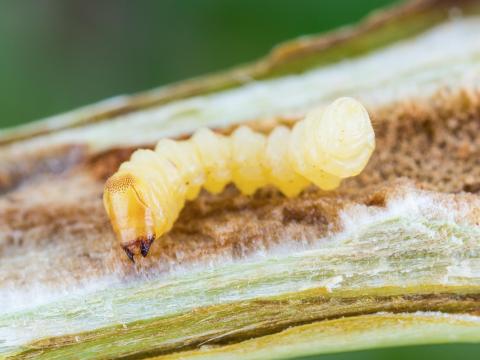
[[56, 55], [431, 352]]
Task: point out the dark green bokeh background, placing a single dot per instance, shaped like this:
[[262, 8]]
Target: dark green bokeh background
[[56, 55]]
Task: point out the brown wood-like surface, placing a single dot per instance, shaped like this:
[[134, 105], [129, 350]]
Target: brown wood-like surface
[[55, 224]]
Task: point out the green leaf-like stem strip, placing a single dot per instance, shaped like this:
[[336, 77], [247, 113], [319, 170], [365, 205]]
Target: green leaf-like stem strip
[[347, 334], [396, 261]]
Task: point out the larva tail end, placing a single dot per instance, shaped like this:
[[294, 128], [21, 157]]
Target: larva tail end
[[344, 136]]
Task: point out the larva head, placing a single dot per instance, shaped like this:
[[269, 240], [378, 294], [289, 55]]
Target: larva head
[[344, 137], [131, 219]]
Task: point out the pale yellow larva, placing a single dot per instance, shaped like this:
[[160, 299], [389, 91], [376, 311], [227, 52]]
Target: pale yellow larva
[[145, 196]]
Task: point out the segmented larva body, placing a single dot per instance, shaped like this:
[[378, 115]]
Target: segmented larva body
[[145, 196]]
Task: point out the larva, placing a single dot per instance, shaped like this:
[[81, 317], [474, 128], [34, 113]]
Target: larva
[[145, 196]]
